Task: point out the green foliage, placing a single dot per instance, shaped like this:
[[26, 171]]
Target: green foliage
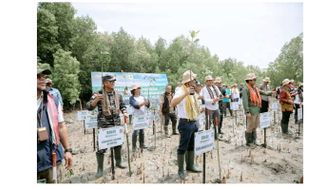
[[65, 76], [60, 32], [289, 64]]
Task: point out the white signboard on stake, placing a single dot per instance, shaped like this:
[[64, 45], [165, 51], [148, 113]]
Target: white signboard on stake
[[234, 105], [91, 121], [140, 121], [264, 120], [110, 137], [274, 106], [299, 114], [81, 115], [201, 121], [204, 141]]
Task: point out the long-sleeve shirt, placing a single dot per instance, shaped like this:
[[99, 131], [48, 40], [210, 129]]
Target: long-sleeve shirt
[[208, 99], [265, 92], [247, 105]]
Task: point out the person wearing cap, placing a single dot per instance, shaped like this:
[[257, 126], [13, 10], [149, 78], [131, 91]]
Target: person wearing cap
[[187, 107], [251, 103], [52, 134], [110, 105], [139, 104], [287, 105], [167, 111], [298, 101], [265, 92], [218, 83], [211, 96], [53, 91]]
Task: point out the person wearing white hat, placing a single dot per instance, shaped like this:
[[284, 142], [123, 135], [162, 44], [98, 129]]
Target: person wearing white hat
[[211, 96], [287, 105], [265, 92], [139, 104], [251, 103], [187, 109]]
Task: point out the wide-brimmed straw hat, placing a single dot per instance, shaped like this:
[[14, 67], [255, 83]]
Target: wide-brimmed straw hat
[[188, 76]]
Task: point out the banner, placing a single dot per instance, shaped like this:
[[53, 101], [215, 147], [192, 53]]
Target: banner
[[204, 141], [110, 137], [152, 85], [265, 120]]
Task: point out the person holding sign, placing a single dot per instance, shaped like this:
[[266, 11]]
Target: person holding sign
[[167, 111], [265, 92], [287, 105], [251, 103], [139, 103], [211, 96], [52, 134], [188, 111], [110, 104]]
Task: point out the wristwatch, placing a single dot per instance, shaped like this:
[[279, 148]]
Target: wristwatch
[[68, 150]]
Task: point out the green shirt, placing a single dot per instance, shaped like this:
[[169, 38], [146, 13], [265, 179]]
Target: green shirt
[[247, 105]]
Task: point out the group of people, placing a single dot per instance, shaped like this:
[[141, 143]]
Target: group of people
[[190, 100]]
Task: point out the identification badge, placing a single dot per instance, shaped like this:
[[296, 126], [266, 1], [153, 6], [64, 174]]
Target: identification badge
[[42, 134]]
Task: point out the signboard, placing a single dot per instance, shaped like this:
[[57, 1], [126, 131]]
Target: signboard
[[234, 105], [265, 120], [299, 114], [274, 106], [110, 137], [152, 85], [204, 141], [81, 115], [201, 121], [140, 121], [91, 121]]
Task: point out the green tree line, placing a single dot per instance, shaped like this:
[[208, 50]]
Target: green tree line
[[74, 48]]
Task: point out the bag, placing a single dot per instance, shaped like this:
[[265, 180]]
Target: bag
[[42, 134]]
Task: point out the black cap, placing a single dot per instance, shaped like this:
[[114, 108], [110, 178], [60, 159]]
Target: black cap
[[108, 78]]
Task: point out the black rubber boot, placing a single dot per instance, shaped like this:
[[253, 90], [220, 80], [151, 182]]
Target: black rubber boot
[[181, 171], [248, 138], [134, 142], [118, 157], [166, 131], [100, 159], [141, 140], [254, 136], [174, 130], [284, 128], [190, 162]]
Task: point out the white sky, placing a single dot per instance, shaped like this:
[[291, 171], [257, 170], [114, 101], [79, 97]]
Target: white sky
[[250, 32]]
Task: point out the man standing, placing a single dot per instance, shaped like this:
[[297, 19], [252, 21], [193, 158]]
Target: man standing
[[52, 134], [251, 104], [110, 104], [265, 92], [53, 91], [298, 101], [226, 100], [168, 111], [218, 83], [287, 105], [188, 110], [211, 96]]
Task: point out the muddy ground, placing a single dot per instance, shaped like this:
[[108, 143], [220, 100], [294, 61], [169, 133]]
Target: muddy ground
[[280, 162]]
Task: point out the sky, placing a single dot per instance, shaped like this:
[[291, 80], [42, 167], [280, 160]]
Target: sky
[[253, 33]]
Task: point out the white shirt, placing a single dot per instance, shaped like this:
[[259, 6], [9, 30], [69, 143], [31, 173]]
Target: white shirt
[[139, 99], [180, 108], [207, 98]]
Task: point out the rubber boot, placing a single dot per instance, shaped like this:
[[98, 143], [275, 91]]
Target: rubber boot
[[100, 159], [254, 136], [248, 138], [166, 131], [141, 140], [284, 128], [118, 157], [181, 171], [190, 162], [174, 130], [134, 142]]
